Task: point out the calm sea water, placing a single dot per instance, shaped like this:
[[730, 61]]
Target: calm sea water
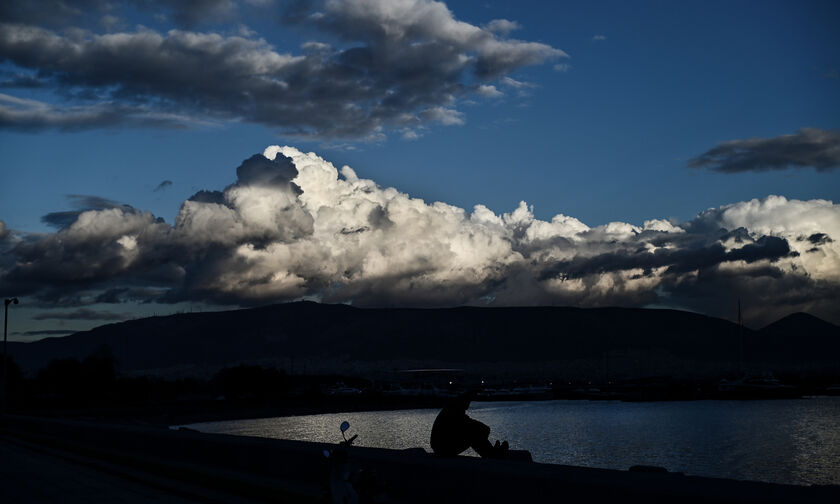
[[782, 441]]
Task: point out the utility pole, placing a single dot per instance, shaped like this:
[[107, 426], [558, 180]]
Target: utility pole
[[8, 301], [740, 338]]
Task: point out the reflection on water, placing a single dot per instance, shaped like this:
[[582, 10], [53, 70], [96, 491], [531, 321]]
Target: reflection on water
[[783, 441]]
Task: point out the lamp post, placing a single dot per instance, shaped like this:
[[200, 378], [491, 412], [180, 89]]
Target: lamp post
[[5, 353]]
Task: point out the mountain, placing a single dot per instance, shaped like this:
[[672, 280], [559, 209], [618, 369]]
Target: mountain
[[798, 337], [546, 340]]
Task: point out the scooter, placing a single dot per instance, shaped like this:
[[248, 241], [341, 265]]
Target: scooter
[[349, 484]]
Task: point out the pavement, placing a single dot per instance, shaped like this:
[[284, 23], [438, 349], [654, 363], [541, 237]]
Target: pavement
[[31, 473]]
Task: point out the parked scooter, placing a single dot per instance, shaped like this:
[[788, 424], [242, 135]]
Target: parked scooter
[[349, 484]]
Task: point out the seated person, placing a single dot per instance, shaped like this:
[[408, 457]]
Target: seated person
[[453, 432]]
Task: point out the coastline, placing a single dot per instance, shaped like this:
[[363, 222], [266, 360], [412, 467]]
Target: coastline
[[182, 412], [165, 414], [293, 471]]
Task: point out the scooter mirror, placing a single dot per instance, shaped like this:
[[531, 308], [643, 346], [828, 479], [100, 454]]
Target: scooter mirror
[[344, 426]]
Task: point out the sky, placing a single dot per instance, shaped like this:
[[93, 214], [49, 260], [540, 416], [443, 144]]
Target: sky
[[178, 155]]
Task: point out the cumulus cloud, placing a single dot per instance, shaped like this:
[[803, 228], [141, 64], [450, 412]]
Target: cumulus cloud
[[488, 91], [81, 203], [395, 64], [807, 148], [292, 225]]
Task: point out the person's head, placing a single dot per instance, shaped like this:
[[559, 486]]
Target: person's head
[[462, 402]]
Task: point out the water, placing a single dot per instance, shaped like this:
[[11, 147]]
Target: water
[[793, 441]]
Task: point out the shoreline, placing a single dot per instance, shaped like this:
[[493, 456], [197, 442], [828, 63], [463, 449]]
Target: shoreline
[[178, 413], [294, 471]]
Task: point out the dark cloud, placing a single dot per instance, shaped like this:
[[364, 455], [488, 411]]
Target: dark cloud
[[682, 260], [185, 13], [203, 196], [292, 226], [31, 115], [81, 314], [81, 204], [401, 65], [807, 148], [117, 295], [48, 12], [47, 332], [820, 239], [163, 185], [260, 171], [22, 80], [92, 250]]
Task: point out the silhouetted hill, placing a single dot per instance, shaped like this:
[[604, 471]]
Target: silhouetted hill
[[800, 322], [798, 337], [623, 340]]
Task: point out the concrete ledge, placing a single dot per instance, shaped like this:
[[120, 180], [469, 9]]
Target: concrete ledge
[[295, 471]]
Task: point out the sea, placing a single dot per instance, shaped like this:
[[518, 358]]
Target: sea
[[792, 441]]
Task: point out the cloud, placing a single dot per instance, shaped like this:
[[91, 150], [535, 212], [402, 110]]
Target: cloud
[[388, 64], [599, 38], [185, 13], [32, 115], [292, 225], [163, 185], [49, 12], [445, 116], [47, 332], [502, 26], [81, 314], [807, 148], [81, 203], [488, 91], [819, 239], [509, 81]]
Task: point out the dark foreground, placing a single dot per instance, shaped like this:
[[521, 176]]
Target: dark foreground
[[53, 460]]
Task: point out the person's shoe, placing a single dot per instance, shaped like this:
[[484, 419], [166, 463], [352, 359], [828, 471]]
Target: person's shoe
[[500, 451]]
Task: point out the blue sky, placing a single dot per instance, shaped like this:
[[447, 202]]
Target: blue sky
[[599, 124]]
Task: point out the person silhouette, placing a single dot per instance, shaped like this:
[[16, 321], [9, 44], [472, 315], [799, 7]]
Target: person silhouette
[[453, 432]]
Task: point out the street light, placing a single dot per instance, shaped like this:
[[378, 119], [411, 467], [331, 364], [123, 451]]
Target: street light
[[5, 353]]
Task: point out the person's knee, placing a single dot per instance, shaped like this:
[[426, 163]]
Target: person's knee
[[477, 429]]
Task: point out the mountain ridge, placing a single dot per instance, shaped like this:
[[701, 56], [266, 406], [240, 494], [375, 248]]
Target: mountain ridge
[[342, 337]]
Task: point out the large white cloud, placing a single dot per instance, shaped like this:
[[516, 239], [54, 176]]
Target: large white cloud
[[293, 226]]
